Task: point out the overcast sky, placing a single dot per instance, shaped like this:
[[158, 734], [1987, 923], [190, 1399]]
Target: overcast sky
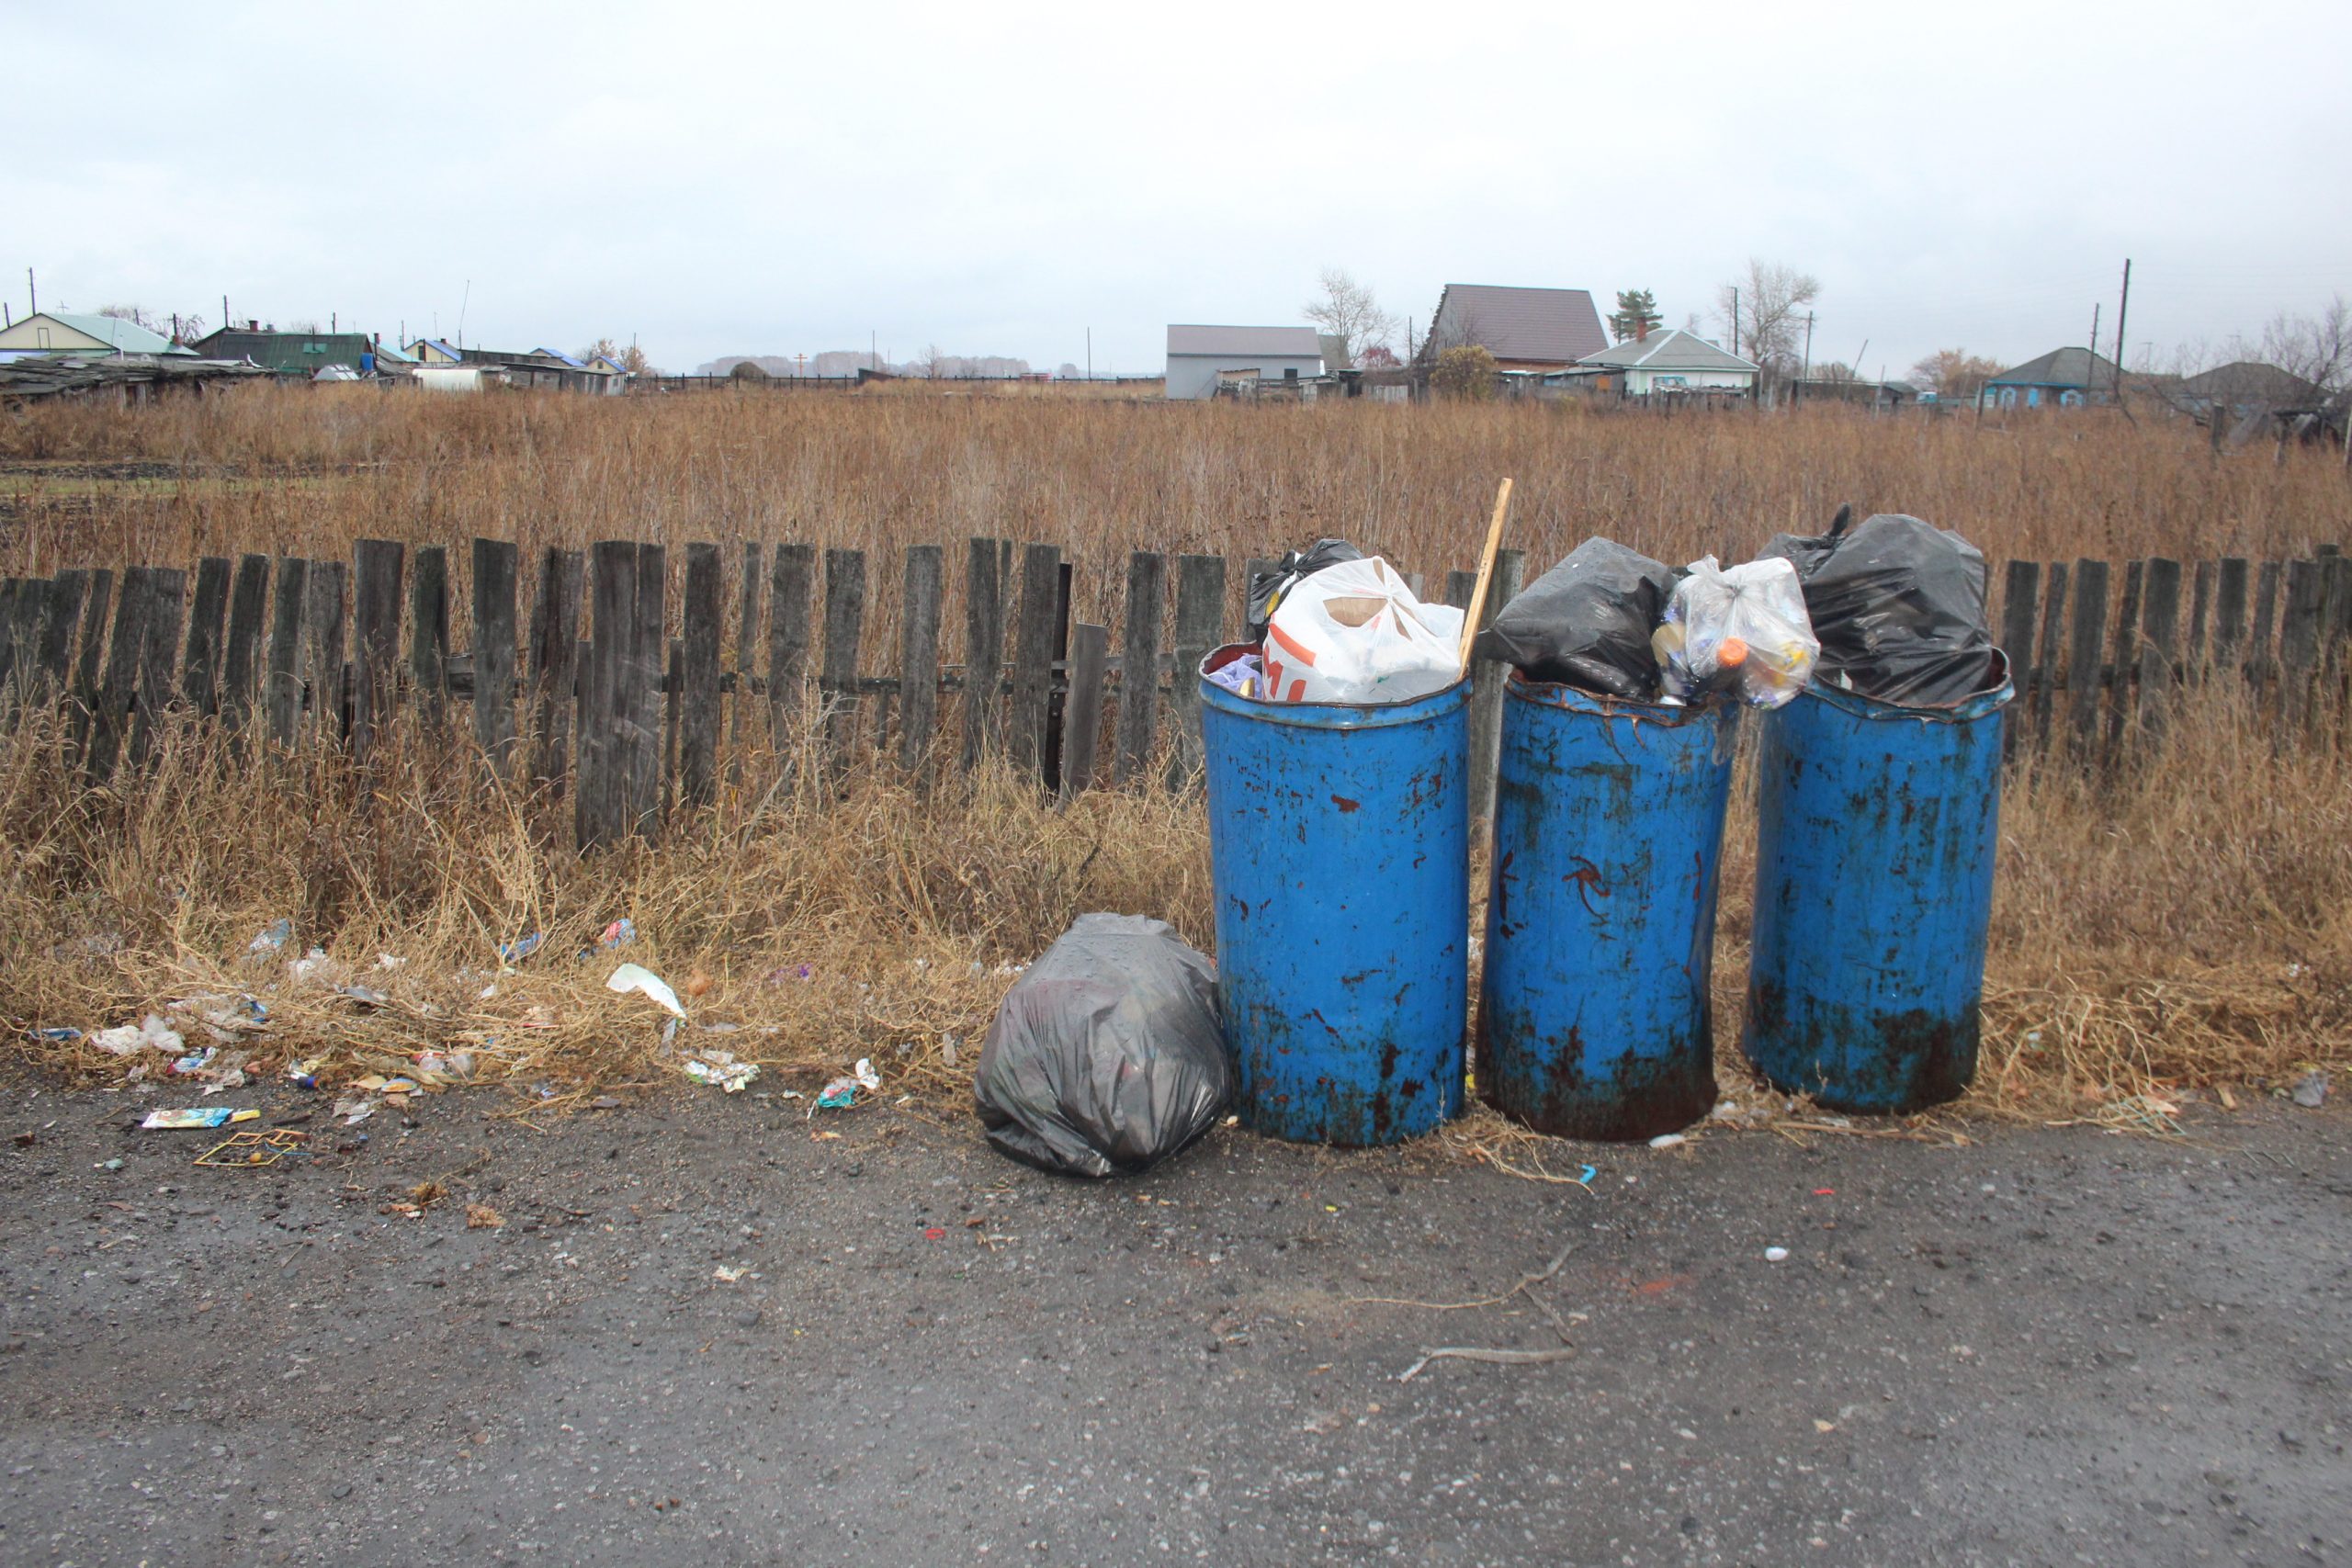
[[766, 179]]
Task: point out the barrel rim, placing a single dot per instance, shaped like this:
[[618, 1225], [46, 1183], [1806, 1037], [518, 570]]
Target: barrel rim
[[1976, 705], [1324, 715]]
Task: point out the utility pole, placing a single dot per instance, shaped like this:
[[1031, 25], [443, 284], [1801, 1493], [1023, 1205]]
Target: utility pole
[[1806, 369], [2095, 327], [872, 354], [33, 290], [1734, 320], [2122, 310], [1090, 353]]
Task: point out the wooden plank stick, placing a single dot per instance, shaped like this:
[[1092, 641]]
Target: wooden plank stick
[[1486, 571]]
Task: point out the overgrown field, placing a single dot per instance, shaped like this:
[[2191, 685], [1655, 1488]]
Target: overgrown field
[[2185, 920]]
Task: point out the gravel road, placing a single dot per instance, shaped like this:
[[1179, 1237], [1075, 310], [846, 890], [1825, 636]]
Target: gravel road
[[705, 1334]]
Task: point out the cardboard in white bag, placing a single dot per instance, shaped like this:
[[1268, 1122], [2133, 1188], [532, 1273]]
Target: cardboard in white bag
[[1354, 633]]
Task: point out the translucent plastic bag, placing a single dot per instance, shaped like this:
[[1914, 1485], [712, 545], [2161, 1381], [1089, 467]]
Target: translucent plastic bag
[[1354, 633], [1741, 628]]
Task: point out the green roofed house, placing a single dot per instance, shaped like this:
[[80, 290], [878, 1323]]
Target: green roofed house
[[2061, 378], [1666, 361], [65, 333], [291, 354]]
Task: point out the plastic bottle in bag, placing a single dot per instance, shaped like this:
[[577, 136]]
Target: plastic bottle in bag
[[1742, 629]]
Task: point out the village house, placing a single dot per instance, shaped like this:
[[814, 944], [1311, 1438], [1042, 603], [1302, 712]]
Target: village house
[[1200, 358]]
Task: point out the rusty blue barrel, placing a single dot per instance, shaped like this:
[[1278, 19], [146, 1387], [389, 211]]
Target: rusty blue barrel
[[1594, 1018], [1339, 859], [1877, 826]]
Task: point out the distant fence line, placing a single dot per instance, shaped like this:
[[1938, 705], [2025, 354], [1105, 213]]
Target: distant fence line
[[629, 719]]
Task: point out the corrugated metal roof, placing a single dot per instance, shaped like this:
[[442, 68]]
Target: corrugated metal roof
[[2251, 381], [559, 354], [2060, 367], [1541, 326], [287, 351], [128, 337], [1284, 342], [1672, 349]]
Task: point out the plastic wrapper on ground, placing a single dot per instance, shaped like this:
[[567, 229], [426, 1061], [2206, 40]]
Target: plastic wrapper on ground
[[1586, 622], [1741, 629], [1356, 633], [1898, 605], [1106, 1056]]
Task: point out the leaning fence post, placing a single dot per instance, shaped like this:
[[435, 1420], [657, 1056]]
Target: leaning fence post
[[844, 632], [53, 654], [2085, 675], [2298, 644], [2229, 616], [2018, 591], [2125, 658], [643, 730], [555, 663], [746, 659], [612, 591], [159, 649], [794, 576], [2050, 652], [428, 632], [200, 674], [89, 669], [2200, 610], [248, 606], [111, 709], [322, 639]]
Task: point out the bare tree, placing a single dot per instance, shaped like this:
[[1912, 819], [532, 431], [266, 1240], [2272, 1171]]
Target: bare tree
[[1349, 311], [1955, 374], [2317, 348], [1763, 308]]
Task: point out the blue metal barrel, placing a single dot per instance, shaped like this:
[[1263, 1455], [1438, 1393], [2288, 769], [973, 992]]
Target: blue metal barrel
[[1593, 1013], [1877, 826], [1339, 855]]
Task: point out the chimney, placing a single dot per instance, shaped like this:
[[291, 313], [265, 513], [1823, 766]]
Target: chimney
[[252, 325], [1641, 331]]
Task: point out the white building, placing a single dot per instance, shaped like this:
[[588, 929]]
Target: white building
[[1198, 356], [1669, 360], [60, 331]]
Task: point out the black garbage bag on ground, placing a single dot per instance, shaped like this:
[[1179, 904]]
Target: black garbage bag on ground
[[1266, 588], [1106, 1056], [1898, 605], [1587, 622]]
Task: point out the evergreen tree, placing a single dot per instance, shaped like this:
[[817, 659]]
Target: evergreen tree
[[1636, 315]]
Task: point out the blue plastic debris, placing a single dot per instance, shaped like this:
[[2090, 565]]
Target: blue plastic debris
[[522, 947]]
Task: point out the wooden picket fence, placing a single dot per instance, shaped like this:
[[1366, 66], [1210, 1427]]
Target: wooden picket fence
[[629, 719]]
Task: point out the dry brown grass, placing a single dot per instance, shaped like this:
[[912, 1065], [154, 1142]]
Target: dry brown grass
[[2182, 923]]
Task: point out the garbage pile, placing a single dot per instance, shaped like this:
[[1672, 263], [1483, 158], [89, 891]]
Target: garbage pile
[[1332, 625], [1899, 607], [1612, 622]]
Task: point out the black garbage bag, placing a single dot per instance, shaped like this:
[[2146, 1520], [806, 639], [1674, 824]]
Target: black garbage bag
[[1898, 605], [1587, 622], [1267, 588], [1106, 1056]]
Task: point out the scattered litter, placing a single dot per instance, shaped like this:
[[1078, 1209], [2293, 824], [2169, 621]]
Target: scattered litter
[[838, 1095], [620, 934], [1669, 1141], [637, 977], [246, 1150], [1242, 676], [386, 960], [722, 1069], [366, 996], [151, 1033], [727, 1275], [355, 1111], [482, 1217], [314, 962], [950, 1047], [115, 1164], [304, 1071], [866, 1077], [933, 1233], [196, 1061], [62, 1036], [1824, 1192], [1821, 1426], [522, 947], [2312, 1092], [1776, 1254], [195, 1116], [273, 938]]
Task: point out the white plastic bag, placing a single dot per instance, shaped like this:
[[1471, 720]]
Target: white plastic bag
[[1744, 629], [1354, 633]]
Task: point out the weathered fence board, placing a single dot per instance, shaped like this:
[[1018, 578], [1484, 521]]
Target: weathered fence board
[[693, 700], [2083, 683], [166, 609], [1140, 662], [2159, 642], [1199, 630], [2020, 593], [2048, 661], [643, 689], [2264, 665], [1033, 656], [2298, 641], [845, 635], [87, 672], [240, 669], [428, 632], [54, 655], [376, 638], [493, 651], [2125, 658], [2229, 613], [1089, 651], [111, 712], [919, 611], [747, 652], [2200, 607], [208, 619], [791, 582], [555, 662], [983, 649]]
